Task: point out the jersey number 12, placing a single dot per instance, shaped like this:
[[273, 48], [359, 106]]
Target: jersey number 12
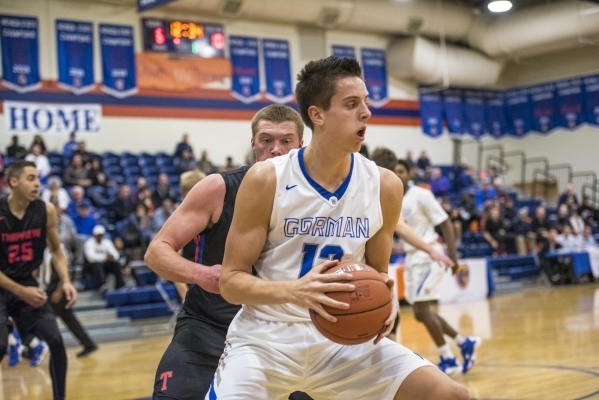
[[328, 252]]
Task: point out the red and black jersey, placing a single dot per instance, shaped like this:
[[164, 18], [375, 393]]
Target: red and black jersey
[[22, 241]]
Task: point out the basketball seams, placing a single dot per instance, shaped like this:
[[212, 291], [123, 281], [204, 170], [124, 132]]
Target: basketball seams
[[364, 311]]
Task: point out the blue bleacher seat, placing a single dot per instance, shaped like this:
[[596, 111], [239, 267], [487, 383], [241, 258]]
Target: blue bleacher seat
[[164, 161], [131, 170], [168, 169], [148, 160], [113, 170], [55, 159], [149, 170], [128, 162], [110, 161]]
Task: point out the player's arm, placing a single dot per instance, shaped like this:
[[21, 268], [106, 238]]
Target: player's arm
[[408, 235], [245, 241], [202, 205], [438, 217], [378, 247], [59, 259], [449, 236], [31, 295]]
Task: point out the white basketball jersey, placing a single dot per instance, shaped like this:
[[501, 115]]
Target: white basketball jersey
[[309, 225]]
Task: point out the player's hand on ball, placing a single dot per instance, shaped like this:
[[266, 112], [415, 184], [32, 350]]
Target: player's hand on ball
[[309, 291], [394, 313], [209, 279], [33, 296]]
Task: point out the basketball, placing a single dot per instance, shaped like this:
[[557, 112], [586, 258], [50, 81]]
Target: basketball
[[369, 306]]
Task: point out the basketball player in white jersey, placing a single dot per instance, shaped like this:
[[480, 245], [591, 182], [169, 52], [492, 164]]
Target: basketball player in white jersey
[[423, 275], [320, 203]]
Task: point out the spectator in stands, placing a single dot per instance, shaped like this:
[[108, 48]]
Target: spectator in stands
[[521, 228], [205, 165], [563, 217], [423, 163], [508, 212], [540, 226], [84, 221], [162, 213], [568, 193], [77, 198], [229, 165], [495, 177], [588, 241], [41, 162], [484, 194], [38, 140], [86, 158], [15, 150], [468, 211], [70, 147], [163, 191], [568, 240], [454, 217], [124, 204], [496, 234], [102, 258], [409, 159], [186, 162], [465, 180], [138, 193], [587, 211], [96, 173], [146, 200], [55, 189], [440, 184], [138, 231], [183, 145], [76, 173], [576, 222]]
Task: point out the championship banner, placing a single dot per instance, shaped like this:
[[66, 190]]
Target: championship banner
[[495, 113], [344, 51], [45, 118], [591, 94], [518, 112], [143, 5], [20, 53], [431, 113], [570, 103], [118, 60], [375, 76], [453, 106], [243, 53], [75, 51], [474, 112], [544, 107], [277, 70]]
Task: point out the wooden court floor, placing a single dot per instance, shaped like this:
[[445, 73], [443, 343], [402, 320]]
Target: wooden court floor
[[542, 343]]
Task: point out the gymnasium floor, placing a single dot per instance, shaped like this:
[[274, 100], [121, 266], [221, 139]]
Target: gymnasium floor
[[542, 343]]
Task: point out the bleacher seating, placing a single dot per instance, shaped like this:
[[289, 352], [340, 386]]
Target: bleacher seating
[[516, 267]]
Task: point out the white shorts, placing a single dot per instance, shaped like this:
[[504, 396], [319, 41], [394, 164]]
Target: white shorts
[[269, 360], [422, 281]]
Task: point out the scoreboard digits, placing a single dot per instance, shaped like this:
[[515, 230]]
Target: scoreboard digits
[[175, 36]]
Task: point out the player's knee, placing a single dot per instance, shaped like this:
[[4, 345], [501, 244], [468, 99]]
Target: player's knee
[[456, 392], [421, 314]]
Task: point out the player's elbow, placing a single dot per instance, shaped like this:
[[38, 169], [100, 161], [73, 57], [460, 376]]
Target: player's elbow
[[226, 287], [150, 256]]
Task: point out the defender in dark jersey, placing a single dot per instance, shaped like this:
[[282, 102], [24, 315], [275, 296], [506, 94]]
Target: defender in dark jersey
[[27, 225], [189, 363]]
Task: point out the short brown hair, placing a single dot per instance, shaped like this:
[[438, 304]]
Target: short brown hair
[[188, 179], [16, 169], [278, 113], [317, 82], [384, 158]]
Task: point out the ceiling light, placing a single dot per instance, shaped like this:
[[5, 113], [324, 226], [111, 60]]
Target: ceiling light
[[500, 5]]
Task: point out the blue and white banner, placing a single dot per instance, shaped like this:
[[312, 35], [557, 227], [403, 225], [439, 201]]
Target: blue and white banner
[[474, 112], [570, 102], [544, 107], [118, 60], [591, 94], [243, 53], [20, 53], [42, 118], [143, 5], [277, 70], [75, 50], [453, 107], [495, 113], [431, 113], [374, 67], [519, 112], [344, 51]]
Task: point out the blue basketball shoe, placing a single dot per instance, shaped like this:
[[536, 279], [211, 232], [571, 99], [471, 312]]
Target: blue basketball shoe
[[449, 365], [469, 348], [38, 353], [14, 350]]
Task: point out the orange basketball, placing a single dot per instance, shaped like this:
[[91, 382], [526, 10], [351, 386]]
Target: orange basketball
[[369, 306]]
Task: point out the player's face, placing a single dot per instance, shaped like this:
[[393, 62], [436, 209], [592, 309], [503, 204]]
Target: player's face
[[275, 139], [28, 183], [403, 174], [348, 113]]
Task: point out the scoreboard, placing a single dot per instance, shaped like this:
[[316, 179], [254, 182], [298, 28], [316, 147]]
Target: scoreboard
[[185, 37]]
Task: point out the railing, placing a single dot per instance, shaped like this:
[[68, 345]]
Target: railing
[[548, 178], [593, 184], [594, 189], [482, 149], [533, 160]]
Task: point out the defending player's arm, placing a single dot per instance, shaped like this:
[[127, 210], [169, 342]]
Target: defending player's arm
[[378, 248], [245, 242], [201, 207], [407, 234], [59, 259]]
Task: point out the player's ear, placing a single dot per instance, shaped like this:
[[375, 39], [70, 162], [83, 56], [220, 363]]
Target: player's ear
[[315, 115]]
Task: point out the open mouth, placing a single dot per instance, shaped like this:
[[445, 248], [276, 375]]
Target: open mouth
[[362, 132]]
